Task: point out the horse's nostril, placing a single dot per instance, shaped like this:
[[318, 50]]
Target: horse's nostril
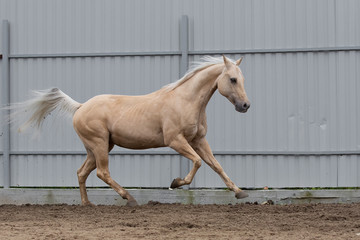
[[242, 106]]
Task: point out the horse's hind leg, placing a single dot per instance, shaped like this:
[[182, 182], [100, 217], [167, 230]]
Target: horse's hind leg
[[102, 164], [86, 168]]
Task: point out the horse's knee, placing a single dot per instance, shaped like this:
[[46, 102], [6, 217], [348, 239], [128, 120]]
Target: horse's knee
[[81, 176], [81, 179]]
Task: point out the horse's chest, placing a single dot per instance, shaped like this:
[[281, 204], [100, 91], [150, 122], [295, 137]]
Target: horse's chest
[[194, 131], [190, 131], [195, 127]]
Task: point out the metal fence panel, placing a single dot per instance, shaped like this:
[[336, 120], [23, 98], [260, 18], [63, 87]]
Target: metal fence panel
[[121, 26], [265, 24], [347, 22], [2, 117], [302, 101], [348, 168], [258, 171], [96, 26], [128, 170], [1, 170]]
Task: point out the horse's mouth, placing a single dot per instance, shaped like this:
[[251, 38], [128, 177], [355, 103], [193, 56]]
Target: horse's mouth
[[241, 110]]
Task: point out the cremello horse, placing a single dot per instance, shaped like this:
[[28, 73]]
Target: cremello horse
[[173, 116]]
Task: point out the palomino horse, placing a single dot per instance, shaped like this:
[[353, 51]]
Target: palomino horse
[[173, 116]]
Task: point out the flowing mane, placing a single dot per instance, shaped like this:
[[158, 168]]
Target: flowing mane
[[196, 67]]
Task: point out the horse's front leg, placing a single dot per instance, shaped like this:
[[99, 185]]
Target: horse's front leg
[[202, 147], [181, 145]]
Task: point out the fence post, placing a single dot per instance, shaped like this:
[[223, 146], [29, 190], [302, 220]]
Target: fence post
[[5, 93], [184, 61]]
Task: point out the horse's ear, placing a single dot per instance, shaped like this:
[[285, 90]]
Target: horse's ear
[[227, 62], [239, 61]]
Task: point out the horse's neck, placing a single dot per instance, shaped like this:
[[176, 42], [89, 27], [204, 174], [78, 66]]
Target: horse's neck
[[200, 88]]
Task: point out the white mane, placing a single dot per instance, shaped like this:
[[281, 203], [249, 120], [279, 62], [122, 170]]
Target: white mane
[[195, 67]]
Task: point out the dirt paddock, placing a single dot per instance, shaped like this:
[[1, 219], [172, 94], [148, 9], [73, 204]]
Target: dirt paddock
[[176, 221]]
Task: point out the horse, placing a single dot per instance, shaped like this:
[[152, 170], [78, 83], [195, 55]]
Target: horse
[[173, 116]]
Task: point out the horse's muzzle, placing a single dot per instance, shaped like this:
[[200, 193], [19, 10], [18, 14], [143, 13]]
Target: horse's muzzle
[[242, 106]]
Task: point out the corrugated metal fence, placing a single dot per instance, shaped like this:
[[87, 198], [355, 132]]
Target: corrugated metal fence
[[301, 68]]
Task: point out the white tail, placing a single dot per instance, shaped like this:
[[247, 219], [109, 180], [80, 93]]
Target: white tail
[[41, 105]]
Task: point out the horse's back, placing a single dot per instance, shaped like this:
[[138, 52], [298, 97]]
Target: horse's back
[[105, 108]]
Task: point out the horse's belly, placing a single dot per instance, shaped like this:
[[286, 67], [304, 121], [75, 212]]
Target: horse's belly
[[137, 138]]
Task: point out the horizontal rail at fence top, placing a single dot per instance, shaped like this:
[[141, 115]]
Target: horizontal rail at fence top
[[241, 153], [190, 52]]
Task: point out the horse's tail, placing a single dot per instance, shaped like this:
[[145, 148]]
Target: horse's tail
[[41, 105]]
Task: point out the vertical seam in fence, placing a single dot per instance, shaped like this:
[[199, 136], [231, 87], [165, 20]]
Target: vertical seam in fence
[[184, 49], [6, 100]]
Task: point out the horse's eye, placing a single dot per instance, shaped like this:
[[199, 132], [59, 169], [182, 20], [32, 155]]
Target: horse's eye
[[233, 80]]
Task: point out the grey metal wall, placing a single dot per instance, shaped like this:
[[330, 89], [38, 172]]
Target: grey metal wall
[[301, 68], [1, 137]]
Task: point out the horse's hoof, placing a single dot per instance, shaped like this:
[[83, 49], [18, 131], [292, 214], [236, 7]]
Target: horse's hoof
[[88, 204], [175, 183], [131, 203], [241, 194]]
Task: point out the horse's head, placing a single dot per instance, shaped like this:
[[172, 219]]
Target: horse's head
[[230, 84]]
